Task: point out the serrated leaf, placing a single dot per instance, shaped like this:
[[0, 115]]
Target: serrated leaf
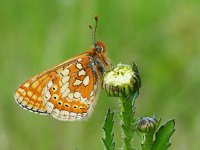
[[163, 136], [108, 141]]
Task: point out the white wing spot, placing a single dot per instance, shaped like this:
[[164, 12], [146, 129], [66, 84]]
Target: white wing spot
[[70, 96], [56, 112], [59, 70], [26, 85], [72, 115], [44, 90], [47, 96], [20, 99], [49, 107], [91, 98], [82, 72], [77, 82], [65, 79], [79, 66], [64, 113], [86, 80], [64, 87], [91, 93], [65, 72], [84, 100], [21, 90], [49, 84], [84, 115], [79, 116], [17, 95], [77, 94], [66, 92], [80, 59]]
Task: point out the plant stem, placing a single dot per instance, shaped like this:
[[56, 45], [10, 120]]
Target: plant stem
[[128, 119], [148, 140]]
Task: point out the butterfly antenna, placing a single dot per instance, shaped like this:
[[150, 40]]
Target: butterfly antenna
[[93, 31], [95, 28]]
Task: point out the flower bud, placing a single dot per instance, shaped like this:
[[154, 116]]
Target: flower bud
[[147, 124], [123, 80]]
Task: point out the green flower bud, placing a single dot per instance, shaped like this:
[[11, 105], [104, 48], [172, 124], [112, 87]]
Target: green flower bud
[[123, 80], [146, 124]]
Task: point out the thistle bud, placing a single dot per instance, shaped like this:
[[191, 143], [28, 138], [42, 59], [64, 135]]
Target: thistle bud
[[123, 80], [147, 124]]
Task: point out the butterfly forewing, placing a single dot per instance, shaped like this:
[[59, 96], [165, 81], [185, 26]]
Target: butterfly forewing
[[28, 95], [67, 91]]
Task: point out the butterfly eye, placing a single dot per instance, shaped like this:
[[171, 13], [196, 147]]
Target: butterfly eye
[[98, 48]]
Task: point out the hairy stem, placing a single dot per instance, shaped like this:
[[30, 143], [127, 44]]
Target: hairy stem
[[128, 119]]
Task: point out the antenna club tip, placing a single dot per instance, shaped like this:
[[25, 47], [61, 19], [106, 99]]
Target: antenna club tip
[[96, 18]]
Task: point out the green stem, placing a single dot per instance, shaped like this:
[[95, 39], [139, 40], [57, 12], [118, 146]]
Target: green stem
[[128, 119], [148, 141]]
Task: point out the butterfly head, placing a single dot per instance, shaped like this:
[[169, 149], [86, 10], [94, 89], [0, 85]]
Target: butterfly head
[[99, 47]]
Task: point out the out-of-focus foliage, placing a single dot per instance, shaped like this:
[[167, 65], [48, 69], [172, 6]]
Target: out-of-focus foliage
[[108, 137], [162, 37]]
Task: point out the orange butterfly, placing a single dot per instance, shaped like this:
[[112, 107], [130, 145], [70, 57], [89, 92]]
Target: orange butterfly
[[69, 90]]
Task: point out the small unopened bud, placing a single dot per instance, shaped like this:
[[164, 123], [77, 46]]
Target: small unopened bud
[[147, 124], [123, 80]]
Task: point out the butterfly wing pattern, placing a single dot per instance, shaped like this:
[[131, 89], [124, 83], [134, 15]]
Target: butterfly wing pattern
[[70, 94], [67, 91]]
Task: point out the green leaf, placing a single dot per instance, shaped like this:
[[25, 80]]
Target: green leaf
[[163, 136], [108, 141]]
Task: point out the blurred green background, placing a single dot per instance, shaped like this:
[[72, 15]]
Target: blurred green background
[[161, 36]]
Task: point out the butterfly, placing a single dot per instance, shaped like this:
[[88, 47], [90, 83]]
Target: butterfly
[[69, 90]]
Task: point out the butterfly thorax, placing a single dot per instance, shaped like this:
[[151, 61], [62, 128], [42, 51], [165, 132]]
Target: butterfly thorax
[[101, 61]]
